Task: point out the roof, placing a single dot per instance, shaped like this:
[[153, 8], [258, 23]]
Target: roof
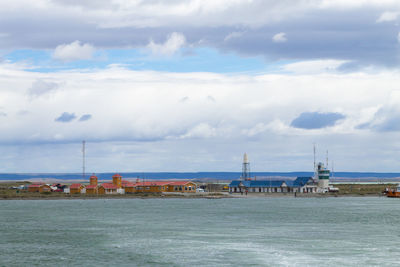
[[93, 176], [301, 181], [109, 186], [73, 186], [234, 183], [117, 175], [127, 184], [91, 186], [35, 185], [179, 182], [259, 183], [153, 183]]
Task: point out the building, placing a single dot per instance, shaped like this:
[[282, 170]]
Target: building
[[40, 188], [108, 188], [128, 187], [300, 185], [93, 180], [76, 188], [152, 186], [181, 186], [117, 180], [166, 186], [323, 176], [91, 189]]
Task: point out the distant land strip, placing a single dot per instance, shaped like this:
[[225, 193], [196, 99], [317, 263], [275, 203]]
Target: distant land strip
[[194, 175]]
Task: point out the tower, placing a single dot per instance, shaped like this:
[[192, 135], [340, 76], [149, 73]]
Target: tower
[[83, 158], [245, 168], [93, 180], [117, 180], [323, 176]]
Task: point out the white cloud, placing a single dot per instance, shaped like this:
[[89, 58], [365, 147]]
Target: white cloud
[[279, 37], [74, 51], [143, 113], [173, 43], [387, 16], [314, 66]]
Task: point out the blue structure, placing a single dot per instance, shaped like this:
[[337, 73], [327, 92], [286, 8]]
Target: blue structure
[[300, 185]]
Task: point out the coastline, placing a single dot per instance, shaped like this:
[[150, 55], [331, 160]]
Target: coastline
[[181, 196]]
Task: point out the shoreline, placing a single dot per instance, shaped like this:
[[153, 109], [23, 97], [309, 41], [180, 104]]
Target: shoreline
[[197, 196]]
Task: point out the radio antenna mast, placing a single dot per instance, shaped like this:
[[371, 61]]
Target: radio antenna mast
[[83, 158]]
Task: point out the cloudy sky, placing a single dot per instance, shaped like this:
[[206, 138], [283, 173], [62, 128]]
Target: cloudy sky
[[190, 85]]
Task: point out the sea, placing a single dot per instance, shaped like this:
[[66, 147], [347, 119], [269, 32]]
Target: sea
[[278, 231]]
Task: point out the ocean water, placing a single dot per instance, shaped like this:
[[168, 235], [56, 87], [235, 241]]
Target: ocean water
[[359, 231]]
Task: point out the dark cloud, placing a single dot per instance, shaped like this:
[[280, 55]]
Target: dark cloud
[[85, 117], [384, 120], [316, 120], [66, 117], [348, 34]]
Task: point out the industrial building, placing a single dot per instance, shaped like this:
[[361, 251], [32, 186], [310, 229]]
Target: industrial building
[[246, 184], [300, 185]]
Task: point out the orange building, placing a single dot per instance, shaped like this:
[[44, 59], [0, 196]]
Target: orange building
[[93, 180], [91, 189], [40, 188], [151, 187], [182, 186], [128, 187], [166, 186], [108, 188], [75, 188], [117, 180]]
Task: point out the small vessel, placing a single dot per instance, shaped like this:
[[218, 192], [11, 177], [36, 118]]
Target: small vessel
[[394, 192]]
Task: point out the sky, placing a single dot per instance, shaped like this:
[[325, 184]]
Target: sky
[[190, 85]]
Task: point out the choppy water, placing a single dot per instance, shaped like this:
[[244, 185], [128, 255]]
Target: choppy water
[[200, 232]]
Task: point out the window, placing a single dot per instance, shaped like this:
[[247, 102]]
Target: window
[[190, 188], [147, 187], [185, 188]]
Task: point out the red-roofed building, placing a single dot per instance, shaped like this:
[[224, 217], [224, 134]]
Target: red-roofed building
[[75, 188], [166, 186], [117, 180], [108, 188], [182, 186], [91, 189], [39, 187], [128, 187]]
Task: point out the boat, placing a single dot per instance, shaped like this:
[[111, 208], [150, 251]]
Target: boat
[[394, 192]]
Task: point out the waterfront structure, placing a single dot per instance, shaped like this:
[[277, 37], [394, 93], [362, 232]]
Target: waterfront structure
[[128, 187], [91, 189], [245, 168], [299, 185], [40, 188], [182, 186], [117, 180], [76, 188], [108, 188], [119, 186], [165, 186], [323, 176], [93, 180]]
